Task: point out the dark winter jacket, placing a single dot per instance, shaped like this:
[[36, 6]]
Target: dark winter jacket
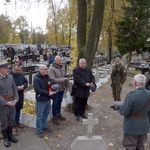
[[20, 80], [41, 89]]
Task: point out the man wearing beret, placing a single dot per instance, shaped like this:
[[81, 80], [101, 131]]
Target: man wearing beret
[[8, 100], [118, 77]]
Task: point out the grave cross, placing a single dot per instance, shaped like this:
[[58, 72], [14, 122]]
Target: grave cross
[[90, 122]]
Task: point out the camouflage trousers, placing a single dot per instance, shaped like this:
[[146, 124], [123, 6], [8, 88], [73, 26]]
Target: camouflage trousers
[[116, 91]]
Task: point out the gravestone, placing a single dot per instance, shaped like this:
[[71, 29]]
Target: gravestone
[[89, 142], [97, 77], [105, 73]]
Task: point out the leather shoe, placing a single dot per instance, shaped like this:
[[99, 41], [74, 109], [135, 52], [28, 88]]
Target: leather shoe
[[19, 125], [61, 117], [77, 118], [40, 134], [84, 116], [55, 121], [47, 129], [112, 106]]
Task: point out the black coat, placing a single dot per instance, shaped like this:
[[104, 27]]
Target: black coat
[[20, 80], [81, 77]]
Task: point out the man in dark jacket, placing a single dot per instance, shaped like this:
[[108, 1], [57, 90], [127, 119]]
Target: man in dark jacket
[[83, 78], [136, 112], [41, 85], [21, 83]]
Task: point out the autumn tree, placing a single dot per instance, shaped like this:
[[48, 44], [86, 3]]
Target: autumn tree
[[112, 14], [133, 29], [87, 43], [5, 29]]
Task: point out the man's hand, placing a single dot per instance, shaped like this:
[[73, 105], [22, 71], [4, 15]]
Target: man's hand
[[88, 84], [51, 93], [11, 103], [15, 101], [65, 78], [20, 88]]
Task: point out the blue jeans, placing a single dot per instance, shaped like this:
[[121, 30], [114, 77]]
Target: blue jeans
[[42, 112], [57, 99]]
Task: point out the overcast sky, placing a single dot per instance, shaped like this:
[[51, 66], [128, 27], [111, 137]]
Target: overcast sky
[[37, 14]]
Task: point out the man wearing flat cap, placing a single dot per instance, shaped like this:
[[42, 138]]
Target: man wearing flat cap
[[118, 77], [8, 100]]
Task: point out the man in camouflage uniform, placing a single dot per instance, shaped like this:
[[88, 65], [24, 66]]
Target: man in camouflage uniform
[[147, 74], [118, 77], [8, 100]]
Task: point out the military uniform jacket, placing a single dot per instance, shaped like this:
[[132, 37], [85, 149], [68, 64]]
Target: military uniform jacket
[[118, 75], [136, 112], [81, 77], [7, 87]]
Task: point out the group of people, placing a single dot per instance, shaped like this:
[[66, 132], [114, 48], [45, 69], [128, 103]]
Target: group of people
[[135, 108]]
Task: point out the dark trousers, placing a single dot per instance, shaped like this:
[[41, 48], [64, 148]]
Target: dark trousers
[[134, 142], [80, 105], [17, 116], [57, 100]]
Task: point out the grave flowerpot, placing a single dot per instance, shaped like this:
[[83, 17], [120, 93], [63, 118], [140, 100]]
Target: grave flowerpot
[[30, 120]]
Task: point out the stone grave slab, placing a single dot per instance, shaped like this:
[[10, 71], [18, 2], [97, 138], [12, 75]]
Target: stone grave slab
[[89, 142]]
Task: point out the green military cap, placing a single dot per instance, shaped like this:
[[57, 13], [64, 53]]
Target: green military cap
[[118, 55], [4, 64]]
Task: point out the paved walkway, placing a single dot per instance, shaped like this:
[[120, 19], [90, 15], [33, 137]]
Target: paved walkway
[[27, 141]]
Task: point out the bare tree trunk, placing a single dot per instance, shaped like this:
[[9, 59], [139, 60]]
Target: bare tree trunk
[[110, 32], [69, 44], [55, 24], [129, 60], [95, 30], [81, 29]]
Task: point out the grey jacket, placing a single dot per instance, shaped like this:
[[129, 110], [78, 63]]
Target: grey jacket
[[136, 112], [7, 87], [57, 75]]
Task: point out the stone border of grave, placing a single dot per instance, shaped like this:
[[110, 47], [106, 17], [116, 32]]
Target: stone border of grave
[[89, 142]]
